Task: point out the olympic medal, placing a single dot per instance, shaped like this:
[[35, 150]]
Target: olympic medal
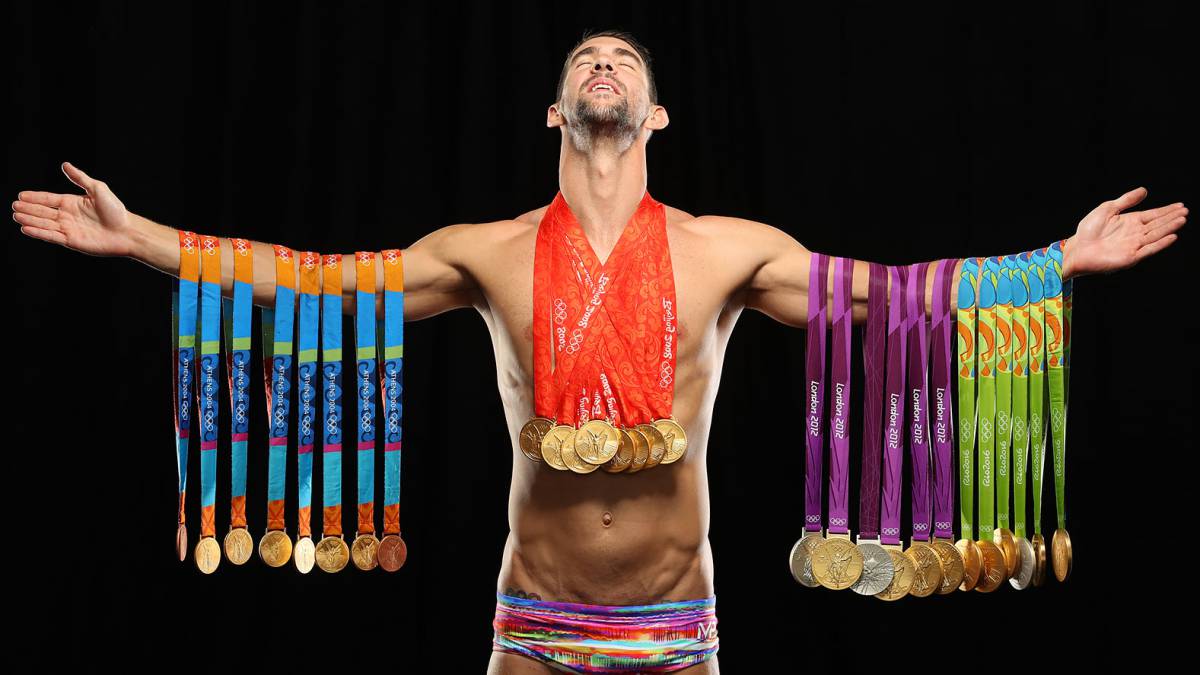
[[625, 452], [530, 438], [573, 461], [304, 554], [641, 449], [332, 554], [392, 552], [1024, 574], [972, 563], [275, 548], [208, 554], [1003, 537], [1060, 544], [993, 573], [902, 580], [238, 545], [552, 444], [953, 569], [927, 569], [837, 562], [877, 571], [656, 454], [1039, 559], [596, 442], [657, 448], [181, 542], [674, 438], [363, 551], [800, 559]]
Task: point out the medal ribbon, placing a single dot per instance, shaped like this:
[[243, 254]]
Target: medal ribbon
[[918, 387], [1019, 272], [364, 327], [875, 336], [839, 431], [988, 279], [942, 424], [307, 373], [183, 347], [1055, 334], [331, 384], [277, 353], [1004, 310], [392, 382], [968, 312], [209, 383], [238, 314], [814, 352], [1036, 262], [893, 429]]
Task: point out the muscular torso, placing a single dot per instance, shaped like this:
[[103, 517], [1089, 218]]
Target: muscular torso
[[603, 538]]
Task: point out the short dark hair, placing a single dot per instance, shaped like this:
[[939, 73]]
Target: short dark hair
[[620, 35]]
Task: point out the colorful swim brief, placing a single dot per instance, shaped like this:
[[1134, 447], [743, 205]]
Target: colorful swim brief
[[579, 638]]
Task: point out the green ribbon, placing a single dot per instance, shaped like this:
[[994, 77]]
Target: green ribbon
[[1019, 271], [1037, 376], [1055, 338], [968, 283], [988, 281], [1004, 386]]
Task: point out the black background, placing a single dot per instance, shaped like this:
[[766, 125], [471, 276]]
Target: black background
[[887, 134]]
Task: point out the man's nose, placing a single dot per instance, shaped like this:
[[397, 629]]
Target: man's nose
[[602, 63]]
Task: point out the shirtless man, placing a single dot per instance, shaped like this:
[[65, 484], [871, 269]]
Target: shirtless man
[[588, 538]]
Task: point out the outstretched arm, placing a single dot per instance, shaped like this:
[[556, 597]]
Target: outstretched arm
[[435, 273], [1108, 239]]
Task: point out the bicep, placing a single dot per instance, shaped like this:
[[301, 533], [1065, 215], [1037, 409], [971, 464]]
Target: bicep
[[778, 287]]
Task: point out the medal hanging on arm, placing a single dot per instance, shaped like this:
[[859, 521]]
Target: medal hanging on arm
[[392, 549], [365, 547], [1002, 535], [801, 559], [893, 440], [992, 557], [208, 551], [1036, 261], [275, 547], [332, 553], [183, 352], [927, 577], [942, 432], [968, 312], [1060, 545], [237, 316], [304, 555], [837, 563], [878, 569], [1019, 272]]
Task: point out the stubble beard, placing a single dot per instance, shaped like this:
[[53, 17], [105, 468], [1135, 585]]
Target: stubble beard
[[596, 124]]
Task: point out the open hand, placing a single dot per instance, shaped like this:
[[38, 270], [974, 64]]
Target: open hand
[[95, 223], [1108, 240]]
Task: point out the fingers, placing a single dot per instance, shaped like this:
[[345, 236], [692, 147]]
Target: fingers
[[1151, 249], [1151, 214], [80, 178], [37, 221], [35, 210], [1129, 199], [1162, 227], [45, 235], [48, 198]]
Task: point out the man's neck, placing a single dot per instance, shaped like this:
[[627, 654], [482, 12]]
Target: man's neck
[[603, 188]]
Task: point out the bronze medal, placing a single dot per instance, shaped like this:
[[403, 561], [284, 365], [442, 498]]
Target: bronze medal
[[836, 562], [657, 448], [208, 554], [392, 552], [238, 545], [972, 563], [1039, 559], [552, 444], [332, 554], [1003, 537], [364, 551], [927, 569], [275, 548], [181, 542], [953, 570], [903, 579], [625, 452], [1060, 544], [800, 559], [596, 442], [994, 568], [530, 438], [304, 554], [674, 439]]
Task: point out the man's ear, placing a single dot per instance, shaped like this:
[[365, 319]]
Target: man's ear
[[657, 119], [554, 118]]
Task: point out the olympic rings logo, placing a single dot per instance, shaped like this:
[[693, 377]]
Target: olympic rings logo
[[331, 260], [815, 520], [310, 260], [283, 253], [576, 338], [391, 256], [560, 310], [241, 247], [920, 527], [664, 375], [209, 244], [365, 258], [189, 244], [893, 531], [985, 431], [838, 522]]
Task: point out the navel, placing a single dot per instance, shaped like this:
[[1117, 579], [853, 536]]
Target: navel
[[606, 519]]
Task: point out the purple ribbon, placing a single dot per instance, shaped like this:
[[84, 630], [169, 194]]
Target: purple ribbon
[[815, 390], [918, 397], [942, 425], [893, 410], [839, 429], [874, 338]]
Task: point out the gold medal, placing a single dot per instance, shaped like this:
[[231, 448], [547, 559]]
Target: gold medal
[[596, 442], [674, 438], [1060, 543], [332, 553], [641, 449], [304, 554], [657, 447], [927, 569], [972, 563], [363, 552], [994, 568], [953, 569], [1039, 559], [1008, 546], [552, 444], [836, 562], [625, 453], [530, 438], [208, 554], [800, 559], [181, 542], [275, 548], [572, 460], [392, 552], [238, 545], [905, 573]]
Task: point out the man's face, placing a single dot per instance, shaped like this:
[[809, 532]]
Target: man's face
[[605, 94]]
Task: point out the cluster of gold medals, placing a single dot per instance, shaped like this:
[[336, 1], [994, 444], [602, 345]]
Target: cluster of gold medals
[[597, 444], [331, 554]]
